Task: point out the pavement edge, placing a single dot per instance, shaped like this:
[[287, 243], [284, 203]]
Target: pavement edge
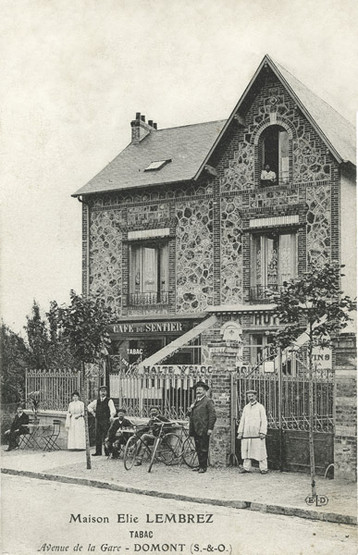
[[235, 504]]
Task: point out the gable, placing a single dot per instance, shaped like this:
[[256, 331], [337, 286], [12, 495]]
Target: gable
[[334, 130]]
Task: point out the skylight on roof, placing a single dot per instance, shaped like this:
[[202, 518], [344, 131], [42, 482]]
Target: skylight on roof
[[157, 165]]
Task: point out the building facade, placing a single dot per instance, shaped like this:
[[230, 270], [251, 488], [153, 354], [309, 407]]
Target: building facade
[[186, 219], [188, 229]]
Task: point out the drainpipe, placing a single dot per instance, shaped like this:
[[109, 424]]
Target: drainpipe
[[87, 243]]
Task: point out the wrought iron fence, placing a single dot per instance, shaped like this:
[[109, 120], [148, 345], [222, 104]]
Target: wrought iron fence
[[167, 387], [286, 397], [55, 387]]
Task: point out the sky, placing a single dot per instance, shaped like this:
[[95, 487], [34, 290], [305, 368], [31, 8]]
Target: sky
[[75, 72]]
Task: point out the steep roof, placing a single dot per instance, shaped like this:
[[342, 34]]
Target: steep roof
[[188, 149], [339, 132], [185, 146], [335, 131]]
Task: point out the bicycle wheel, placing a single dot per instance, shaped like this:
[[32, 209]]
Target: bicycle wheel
[[170, 449], [130, 452], [154, 452], [190, 456]]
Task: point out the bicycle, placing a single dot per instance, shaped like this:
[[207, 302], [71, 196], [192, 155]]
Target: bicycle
[[189, 454], [167, 448]]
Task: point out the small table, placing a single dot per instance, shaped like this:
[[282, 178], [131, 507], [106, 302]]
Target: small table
[[35, 435]]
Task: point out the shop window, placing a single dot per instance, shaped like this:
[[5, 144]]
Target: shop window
[[261, 349], [275, 143], [148, 274], [273, 262]]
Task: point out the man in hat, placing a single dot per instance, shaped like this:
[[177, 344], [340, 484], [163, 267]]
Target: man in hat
[[116, 436], [202, 420], [104, 411], [252, 432], [150, 432]]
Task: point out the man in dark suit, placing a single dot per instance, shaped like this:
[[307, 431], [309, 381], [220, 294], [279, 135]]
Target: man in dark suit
[[202, 420], [116, 433], [104, 411], [18, 428]]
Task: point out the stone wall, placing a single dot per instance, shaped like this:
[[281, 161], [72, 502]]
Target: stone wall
[[345, 443]]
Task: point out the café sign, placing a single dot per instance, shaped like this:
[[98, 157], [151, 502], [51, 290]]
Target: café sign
[[146, 327]]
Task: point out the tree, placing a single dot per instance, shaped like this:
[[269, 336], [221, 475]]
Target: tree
[[48, 349], [83, 325], [38, 338], [313, 309], [14, 360]]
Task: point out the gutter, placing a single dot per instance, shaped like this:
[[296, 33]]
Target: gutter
[[87, 243]]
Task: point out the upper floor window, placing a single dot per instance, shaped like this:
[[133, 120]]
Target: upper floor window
[[148, 273], [273, 262], [274, 156]]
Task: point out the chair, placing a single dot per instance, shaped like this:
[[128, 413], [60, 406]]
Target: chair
[[51, 439], [25, 439]]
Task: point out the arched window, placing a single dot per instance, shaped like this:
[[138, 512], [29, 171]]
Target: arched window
[[275, 142]]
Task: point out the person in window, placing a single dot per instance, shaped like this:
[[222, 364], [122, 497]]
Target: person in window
[[116, 434], [104, 411], [268, 175], [18, 428], [150, 432]]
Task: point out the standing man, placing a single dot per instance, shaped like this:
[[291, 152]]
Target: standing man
[[252, 432], [18, 428], [202, 420], [103, 409]]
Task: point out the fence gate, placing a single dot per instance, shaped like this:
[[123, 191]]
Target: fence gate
[[283, 390]]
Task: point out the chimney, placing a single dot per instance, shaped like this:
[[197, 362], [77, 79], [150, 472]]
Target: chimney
[[140, 128]]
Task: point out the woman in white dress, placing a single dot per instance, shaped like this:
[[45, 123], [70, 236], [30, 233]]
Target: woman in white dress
[[75, 423]]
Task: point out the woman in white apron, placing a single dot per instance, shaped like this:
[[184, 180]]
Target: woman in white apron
[[75, 423]]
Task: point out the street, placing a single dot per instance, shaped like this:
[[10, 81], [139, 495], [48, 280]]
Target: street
[[40, 516]]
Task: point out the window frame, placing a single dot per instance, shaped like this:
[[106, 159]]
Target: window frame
[[138, 294], [261, 283], [283, 176]]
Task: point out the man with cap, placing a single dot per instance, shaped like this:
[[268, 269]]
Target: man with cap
[[103, 409], [150, 432], [202, 420], [252, 432], [116, 434]]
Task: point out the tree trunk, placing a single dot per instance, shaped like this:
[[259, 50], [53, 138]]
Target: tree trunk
[[85, 400]]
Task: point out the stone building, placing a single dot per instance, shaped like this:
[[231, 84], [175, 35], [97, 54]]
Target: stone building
[[200, 221]]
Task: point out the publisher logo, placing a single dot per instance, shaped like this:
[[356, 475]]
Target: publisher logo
[[317, 500]]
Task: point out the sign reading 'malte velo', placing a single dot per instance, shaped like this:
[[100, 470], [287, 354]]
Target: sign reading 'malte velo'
[[187, 369]]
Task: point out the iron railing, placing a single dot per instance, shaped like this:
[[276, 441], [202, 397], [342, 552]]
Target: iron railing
[[263, 293], [168, 387], [148, 298]]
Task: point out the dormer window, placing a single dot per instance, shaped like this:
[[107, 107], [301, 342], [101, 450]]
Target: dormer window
[[157, 165], [275, 143]]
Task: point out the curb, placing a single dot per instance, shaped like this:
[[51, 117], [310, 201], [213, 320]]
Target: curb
[[236, 504]]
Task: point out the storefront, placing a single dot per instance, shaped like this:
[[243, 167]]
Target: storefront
[[136, 340]]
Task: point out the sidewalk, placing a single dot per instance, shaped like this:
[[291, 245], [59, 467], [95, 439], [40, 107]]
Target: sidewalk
[[277, 492]]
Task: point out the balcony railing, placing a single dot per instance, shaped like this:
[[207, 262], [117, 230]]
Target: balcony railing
[[148, 298], [263, 293]]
